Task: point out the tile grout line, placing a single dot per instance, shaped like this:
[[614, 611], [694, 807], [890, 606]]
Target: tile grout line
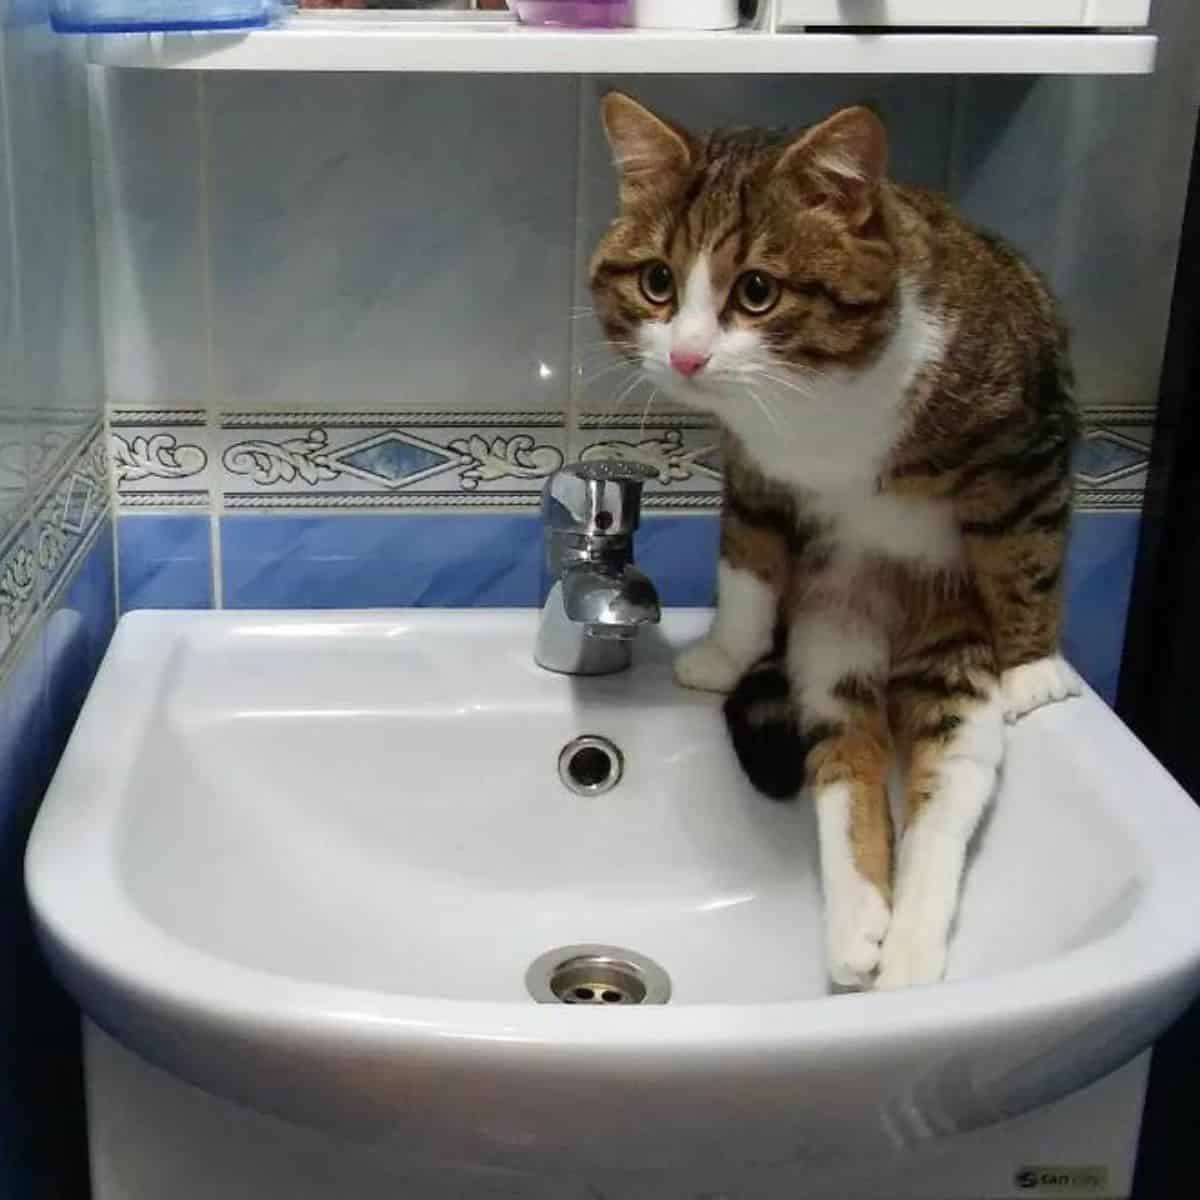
[[573, 388], [216, 495], [114, 506], [97, 98], [14, 243]]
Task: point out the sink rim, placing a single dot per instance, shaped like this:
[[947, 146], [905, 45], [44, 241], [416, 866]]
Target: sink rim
[[104, 945]]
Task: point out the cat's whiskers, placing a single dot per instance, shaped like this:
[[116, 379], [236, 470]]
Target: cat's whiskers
[[765, 408], [592, 376], [626, 352], [783, 382], [646, 411], [629, 389]]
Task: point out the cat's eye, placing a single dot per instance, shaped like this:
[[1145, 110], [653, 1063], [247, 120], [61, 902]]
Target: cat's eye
[[658, 284], [756, 292]]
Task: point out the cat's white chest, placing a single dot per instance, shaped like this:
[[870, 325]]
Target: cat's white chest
[[923, 534]]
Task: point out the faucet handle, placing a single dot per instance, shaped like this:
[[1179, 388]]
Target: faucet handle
[[600, 497]]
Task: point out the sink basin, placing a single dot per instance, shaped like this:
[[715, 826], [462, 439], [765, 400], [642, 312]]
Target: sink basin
[[305, 861]]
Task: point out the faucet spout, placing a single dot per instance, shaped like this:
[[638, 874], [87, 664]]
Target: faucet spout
[[604, 599], [598, 599]]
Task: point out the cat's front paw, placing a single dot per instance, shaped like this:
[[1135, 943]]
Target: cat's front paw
[[856, 920], [911, 957], [707, 668], [1033, 684]]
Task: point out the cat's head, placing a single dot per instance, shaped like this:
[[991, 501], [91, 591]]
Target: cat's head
[[745, 257]]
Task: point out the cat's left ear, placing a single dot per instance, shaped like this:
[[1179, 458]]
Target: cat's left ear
[[644, 146], [843, 161]]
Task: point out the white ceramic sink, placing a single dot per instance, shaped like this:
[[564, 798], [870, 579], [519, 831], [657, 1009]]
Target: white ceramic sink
[[305, 860]]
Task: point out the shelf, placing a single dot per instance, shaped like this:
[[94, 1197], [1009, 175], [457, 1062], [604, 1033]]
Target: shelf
[[369, 42]]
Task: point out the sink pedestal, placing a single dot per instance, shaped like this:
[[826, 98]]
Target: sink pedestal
[[305, 862], [153, 1136]]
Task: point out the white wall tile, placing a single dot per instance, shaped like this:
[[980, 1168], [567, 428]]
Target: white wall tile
[[918, 112], [14, 424], [147, 160], [58, 364], [384, 241], [1087, 176]]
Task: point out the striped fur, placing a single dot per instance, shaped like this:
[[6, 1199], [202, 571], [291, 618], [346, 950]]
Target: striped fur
[[897, 405]]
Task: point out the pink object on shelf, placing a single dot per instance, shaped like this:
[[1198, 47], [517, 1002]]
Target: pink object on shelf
[[585, 14]]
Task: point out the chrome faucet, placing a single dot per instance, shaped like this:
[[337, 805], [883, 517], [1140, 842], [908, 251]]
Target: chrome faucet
[[597, 598]]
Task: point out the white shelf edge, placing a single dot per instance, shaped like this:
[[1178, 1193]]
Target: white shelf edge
[[505, 48]]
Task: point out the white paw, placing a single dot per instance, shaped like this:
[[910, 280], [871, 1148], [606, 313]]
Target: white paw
[[1029, 686], [856, 920], [707, 668], [911, 957]]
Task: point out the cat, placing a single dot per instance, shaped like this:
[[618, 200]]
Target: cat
[[897, 415]]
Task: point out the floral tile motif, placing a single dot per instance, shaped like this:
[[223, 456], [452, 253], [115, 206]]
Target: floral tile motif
[[683, 449], [387, 460], [18, 590], [159, 458], [39, 553], [312, 460], [1110, 464]]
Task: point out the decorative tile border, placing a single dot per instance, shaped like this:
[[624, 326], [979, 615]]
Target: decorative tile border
[[1113, 459], [39, 553], [682, 448], [160, 459], [479, 461], [387, 460], [322, 460]]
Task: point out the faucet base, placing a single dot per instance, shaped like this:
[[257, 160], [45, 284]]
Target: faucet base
[[566, 647]]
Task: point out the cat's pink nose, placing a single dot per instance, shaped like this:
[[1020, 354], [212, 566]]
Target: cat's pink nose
[[688, 362]]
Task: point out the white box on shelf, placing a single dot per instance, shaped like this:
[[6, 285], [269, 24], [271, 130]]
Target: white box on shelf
[[995, 14], [685, 14]]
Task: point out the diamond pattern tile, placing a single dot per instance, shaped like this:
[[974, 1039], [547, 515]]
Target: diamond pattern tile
[[1102, 455], [394, 459]]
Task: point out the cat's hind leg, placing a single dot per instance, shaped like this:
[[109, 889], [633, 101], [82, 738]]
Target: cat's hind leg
[[948, 719], [751, 576], [838, 665]]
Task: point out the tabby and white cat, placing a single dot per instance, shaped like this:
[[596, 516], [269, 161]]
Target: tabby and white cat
[[895, 397]]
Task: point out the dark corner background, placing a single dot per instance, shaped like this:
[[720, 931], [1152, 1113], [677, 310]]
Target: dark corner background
[[1159, 694]]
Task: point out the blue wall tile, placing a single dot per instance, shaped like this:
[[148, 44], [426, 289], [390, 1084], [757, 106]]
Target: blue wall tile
[[680, 555], [164, 562], [384, 561], [85, 617], [42, 1122], [380, 561], [1099, 576]]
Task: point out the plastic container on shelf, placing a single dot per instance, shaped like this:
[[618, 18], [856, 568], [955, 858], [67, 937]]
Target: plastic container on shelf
[[581, 14], [390, 5], [139, 16]]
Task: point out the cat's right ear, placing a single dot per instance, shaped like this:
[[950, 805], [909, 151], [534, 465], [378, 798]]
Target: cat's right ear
[[842, 161], [645, 147]]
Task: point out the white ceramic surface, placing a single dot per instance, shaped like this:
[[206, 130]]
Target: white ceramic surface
[[53, 372], [147, 148], [467, 43], [303, 860], [416, 223]]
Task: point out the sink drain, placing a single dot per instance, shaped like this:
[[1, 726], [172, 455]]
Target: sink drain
[[590, 766], [603, 975]]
